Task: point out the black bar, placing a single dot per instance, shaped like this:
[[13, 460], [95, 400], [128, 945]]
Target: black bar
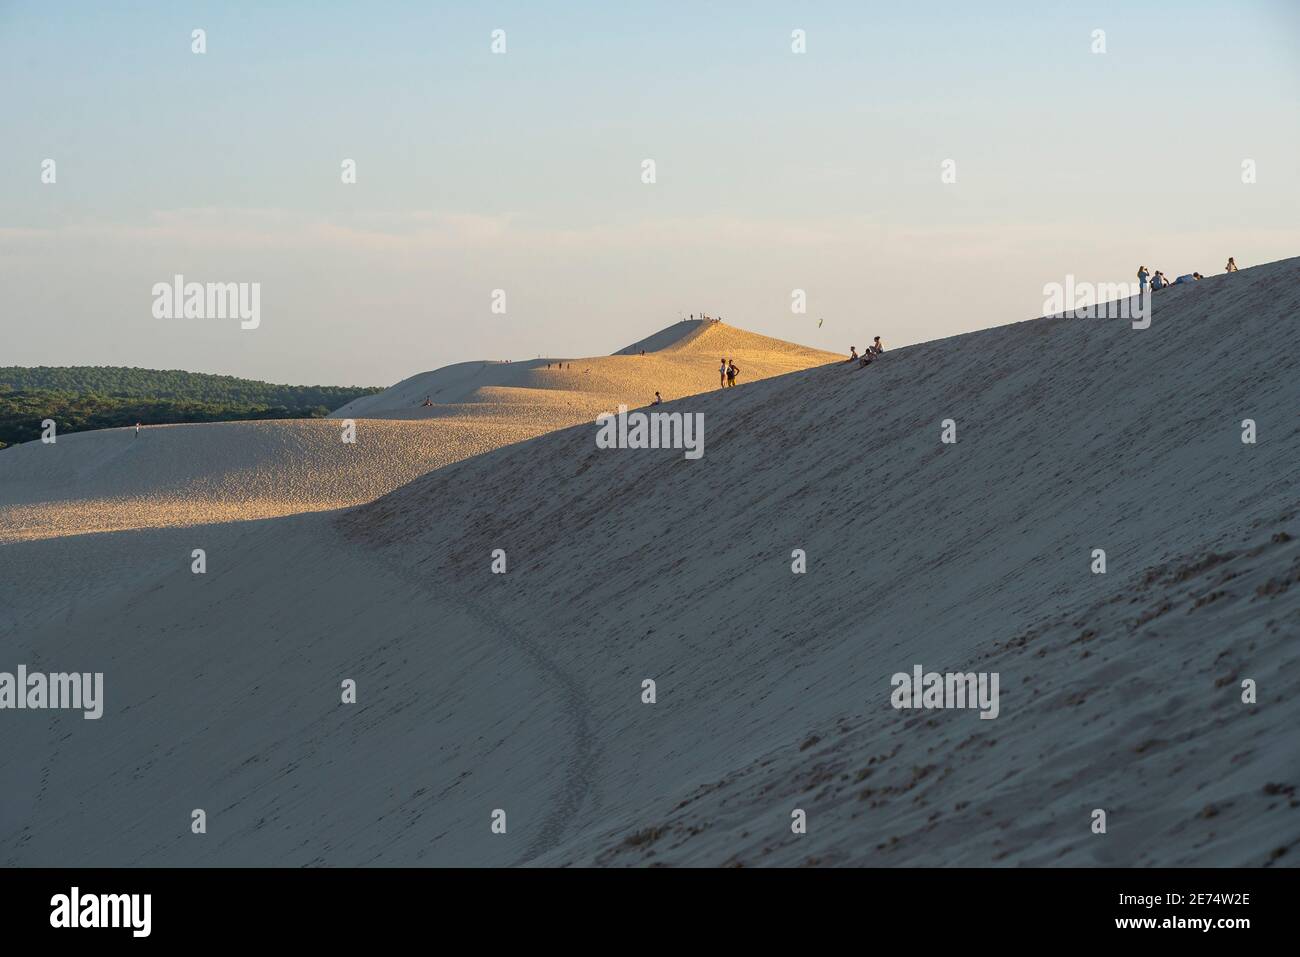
[[329, 907]]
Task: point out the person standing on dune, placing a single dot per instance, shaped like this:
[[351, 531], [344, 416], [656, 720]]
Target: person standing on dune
[[722, 373], [733, 370]]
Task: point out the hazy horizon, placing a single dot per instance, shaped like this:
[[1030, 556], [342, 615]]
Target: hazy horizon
[[522, 171]]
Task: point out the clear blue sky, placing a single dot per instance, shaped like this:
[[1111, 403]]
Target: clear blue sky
[[521, 171]]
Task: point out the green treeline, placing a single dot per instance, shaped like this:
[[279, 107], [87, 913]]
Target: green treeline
[[80, 398]]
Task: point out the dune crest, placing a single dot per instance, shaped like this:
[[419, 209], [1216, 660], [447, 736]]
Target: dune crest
[[679, 360]]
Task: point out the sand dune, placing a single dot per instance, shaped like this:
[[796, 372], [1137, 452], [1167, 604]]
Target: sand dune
[[183, 475], [680, 360], [523, 691], [1120, 689]]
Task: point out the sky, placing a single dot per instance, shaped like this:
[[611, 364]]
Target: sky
[[523, 171]]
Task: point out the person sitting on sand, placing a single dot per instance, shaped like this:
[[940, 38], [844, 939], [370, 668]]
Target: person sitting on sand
[[873, 351], [733, 370], [1232, 265], [659, 400], [1158, 281], [853, 353], [1197, 276], [427, 402]]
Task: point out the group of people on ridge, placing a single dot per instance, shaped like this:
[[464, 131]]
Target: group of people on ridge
[[875, 349], [1159, 280]]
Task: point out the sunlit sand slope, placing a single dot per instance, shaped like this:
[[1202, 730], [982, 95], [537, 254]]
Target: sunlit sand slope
[[174, 476], [680, 360]]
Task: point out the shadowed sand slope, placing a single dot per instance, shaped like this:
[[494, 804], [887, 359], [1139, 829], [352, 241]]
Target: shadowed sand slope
[[1119, 690], [523, 690], [180, 475]]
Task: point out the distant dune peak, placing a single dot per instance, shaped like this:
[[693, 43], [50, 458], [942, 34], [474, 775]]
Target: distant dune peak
[[709, 336], [679, 360], [670, 337]]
